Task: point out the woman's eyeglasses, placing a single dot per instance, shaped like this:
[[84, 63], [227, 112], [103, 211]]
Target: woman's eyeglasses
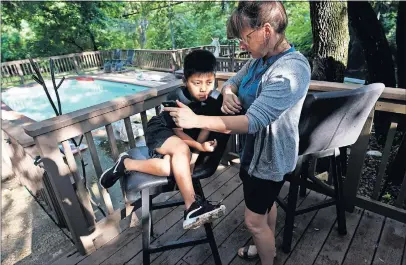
[[247, 37]]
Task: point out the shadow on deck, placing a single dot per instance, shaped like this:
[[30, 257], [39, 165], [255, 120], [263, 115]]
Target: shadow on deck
[[371, 238]]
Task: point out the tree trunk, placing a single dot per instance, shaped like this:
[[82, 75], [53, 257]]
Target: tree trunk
[[401, 44], [370, 33], [92, 38], [398, 166], [380, 67], [330, 46], [143, 32], [330, 40]]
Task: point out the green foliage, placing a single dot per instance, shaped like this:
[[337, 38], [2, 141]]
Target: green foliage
[[386, 12], [299, 31], [47, 28]]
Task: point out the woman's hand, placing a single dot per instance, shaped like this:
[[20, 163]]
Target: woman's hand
[[209, 146], [231, 103], [183, 116]]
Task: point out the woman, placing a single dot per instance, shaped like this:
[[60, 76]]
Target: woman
[[266, 95]]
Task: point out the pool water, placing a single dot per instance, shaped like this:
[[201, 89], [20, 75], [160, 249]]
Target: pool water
[[74, 95]]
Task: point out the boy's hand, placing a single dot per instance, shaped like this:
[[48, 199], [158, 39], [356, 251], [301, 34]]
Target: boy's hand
[[209, 146]]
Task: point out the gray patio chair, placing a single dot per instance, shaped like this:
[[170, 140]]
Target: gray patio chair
[[149, 185], [329, 121]]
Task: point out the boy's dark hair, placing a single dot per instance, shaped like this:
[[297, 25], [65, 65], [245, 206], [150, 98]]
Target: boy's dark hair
[[199, 62]]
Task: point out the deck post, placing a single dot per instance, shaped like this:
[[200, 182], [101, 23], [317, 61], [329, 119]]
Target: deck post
[[60, 180]]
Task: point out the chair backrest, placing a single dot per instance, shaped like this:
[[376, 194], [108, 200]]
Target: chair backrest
[[335, 119]]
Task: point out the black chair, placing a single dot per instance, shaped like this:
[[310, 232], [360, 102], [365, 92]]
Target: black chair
[[149, 185], [329, 121]]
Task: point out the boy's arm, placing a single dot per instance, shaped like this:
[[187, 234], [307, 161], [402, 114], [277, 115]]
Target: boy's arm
[[203, 135], [189, 140]]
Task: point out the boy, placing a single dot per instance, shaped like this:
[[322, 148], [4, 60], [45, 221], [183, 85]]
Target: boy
[[170, 147]]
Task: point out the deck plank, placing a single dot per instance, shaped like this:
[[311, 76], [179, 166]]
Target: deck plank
[[240, 236], [229, 225], [127, 235], [226, 227], [365, 240], [404, 255], [301, 222], [336, 245], [370, 240], [134, 247], [232, 197], [313, 239], [391, 244], [215, 191]]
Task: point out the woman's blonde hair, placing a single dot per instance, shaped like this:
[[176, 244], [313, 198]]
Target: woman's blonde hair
[[255, 14]]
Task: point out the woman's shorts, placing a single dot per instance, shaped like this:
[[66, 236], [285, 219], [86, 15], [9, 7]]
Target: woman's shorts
[[259, 194]]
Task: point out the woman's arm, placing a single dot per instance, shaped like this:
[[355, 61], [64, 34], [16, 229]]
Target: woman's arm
[[223, 124], [184, 117]]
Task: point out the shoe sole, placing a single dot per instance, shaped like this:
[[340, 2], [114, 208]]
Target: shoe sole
[[107, 170], [209, 217]]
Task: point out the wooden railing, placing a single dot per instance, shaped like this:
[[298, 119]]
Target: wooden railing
[[392, 100], [159, 60], [21, 71]]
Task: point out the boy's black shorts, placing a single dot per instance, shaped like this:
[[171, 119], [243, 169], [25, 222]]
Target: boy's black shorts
[[155, 136], [259, 194]]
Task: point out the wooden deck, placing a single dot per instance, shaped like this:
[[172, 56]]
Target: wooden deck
[[371, 239]]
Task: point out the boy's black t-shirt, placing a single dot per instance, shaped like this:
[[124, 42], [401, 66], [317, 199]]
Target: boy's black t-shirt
[[209, 107]]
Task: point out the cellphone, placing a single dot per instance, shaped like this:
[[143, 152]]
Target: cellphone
[[170, 103]]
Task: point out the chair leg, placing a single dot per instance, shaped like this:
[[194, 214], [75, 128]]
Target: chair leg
[[198, 188], [303, 177], [339, 193], [208, 227], [150, 214], [212, 243], [343, 160], [146, 226], [290, 214]]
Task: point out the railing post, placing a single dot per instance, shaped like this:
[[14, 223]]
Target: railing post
[[75, 63], [20, 73], [60, 179], [356, 162]]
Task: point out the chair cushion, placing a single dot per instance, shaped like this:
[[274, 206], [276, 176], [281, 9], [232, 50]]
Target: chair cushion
[[137, 181]]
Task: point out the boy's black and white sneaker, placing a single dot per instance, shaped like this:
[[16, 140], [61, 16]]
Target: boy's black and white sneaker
[[111, 175], [201, 212]]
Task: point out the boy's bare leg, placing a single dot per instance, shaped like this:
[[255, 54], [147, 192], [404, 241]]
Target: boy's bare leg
[[179, 153], [176, 161], [153, 166]]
